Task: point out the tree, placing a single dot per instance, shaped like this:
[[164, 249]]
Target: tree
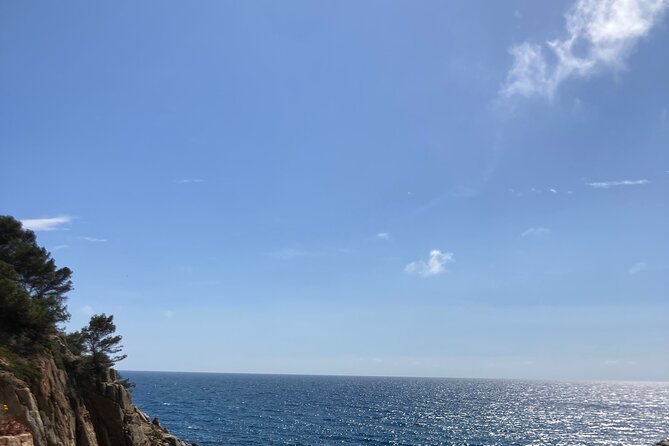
[[100, 342], [27, 267], [14, 302]]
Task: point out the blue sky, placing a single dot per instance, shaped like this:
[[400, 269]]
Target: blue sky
[[471, 189]]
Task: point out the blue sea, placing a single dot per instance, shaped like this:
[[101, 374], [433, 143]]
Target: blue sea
[[241, 409]]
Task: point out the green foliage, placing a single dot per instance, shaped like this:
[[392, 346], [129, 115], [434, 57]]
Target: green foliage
[[14, 301], [32, 304], [125, 382], [24, 369], [32, 287], [75, 342], [100, 342]]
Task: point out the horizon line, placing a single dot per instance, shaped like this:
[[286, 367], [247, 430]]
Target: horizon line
[[344, 375]]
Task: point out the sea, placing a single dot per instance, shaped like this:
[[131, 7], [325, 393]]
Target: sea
[[246, 409]]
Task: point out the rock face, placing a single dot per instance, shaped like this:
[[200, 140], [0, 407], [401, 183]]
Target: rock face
[[58, 412], [17, 440]]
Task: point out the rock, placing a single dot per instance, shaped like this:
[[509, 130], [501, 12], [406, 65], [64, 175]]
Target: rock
[[22, 405], [59, 411], [17, 440], [143, 416]]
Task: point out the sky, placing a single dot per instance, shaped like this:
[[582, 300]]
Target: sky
[[452, 189]]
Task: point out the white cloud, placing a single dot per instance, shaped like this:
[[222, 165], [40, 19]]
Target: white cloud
[[169, 314], [600, 35], [553, 191], [383, 236], [528, 75], [608, 184], [536, 232], [435, 264], [94, 239], [190, 180], [636, 268], [46, 224], [59, 247]]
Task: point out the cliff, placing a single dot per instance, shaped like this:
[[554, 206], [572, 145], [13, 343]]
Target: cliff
[[59, 409]]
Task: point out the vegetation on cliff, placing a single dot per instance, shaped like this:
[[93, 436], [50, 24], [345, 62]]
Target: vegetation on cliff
[[59, 386], [32, 289], [9, 425], [33, 292]]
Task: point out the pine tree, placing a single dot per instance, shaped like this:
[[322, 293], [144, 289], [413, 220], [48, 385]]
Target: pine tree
[[33, 287], [100, 342]]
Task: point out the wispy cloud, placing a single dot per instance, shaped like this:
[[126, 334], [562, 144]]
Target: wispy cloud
[[535, 232], [169, 314], [608, 184], [288, 253], [59, 247], [533, 191], [383, 236], [46, 224], [636, 268], [599, 36], [94, 239], [434, 265], [190, 180]]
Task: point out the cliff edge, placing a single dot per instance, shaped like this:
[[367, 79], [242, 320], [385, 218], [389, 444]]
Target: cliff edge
[[57, 388], [58, 409]]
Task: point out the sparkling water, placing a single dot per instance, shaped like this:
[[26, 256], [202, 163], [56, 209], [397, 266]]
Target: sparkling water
[[239, 409]]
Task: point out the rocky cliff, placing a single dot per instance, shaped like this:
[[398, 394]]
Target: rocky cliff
[[59, 410]]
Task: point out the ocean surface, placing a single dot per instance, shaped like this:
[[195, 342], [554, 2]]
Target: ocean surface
[[239, 409]]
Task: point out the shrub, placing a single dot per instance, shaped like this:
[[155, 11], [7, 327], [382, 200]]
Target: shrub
[[24, 369], [10, 425]]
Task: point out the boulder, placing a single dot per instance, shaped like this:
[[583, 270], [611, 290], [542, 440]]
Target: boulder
[[17, 440]]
